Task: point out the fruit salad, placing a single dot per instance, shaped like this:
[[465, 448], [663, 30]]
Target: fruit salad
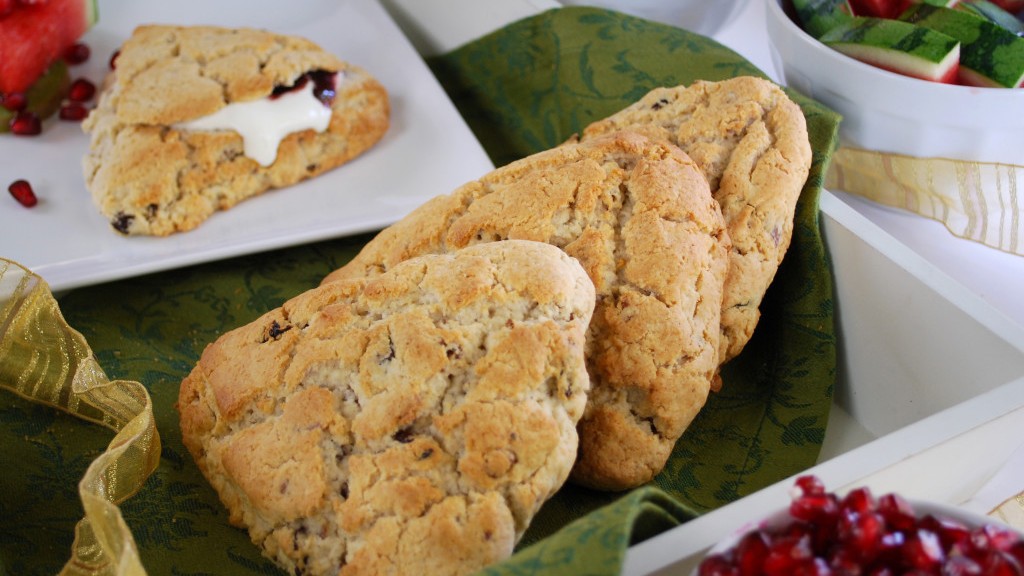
[[969, 42], [861, 534]]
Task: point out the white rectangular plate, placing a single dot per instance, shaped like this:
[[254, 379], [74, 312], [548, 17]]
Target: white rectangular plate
[[427, 151]]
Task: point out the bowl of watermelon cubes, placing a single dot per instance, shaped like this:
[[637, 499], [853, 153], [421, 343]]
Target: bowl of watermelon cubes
[[922, 78], [860, 533]]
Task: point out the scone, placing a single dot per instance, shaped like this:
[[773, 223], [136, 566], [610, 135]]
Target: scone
[[750, 141], [639, 216], [412, 423], [196, 119]]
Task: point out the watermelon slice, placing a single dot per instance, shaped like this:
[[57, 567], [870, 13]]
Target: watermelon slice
[[990, 56], [33, 35], [819, 16], [993, 13], [898, 46]]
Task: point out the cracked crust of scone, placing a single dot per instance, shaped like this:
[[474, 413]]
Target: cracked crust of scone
[[412, 423], [750, 141], [638, 215], [147, 177]]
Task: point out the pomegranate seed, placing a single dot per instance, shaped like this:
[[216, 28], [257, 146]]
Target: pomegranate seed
[[717, 565], [26, 124], [785, 553], [861, 533], [814, 507], [14, 101], [73, 112], [6, 7], [77, 53], [809, 484], [953, 534], [997, 563], [22, 192], [751, 551], [1017, 551], [81, 90], [961, 566], [113, 59], [844, 563], [811, 567], [898, 513], [859, 500], [923, 550]]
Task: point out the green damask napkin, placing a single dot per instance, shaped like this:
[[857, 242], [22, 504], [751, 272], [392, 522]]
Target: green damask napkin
[[522, 89]]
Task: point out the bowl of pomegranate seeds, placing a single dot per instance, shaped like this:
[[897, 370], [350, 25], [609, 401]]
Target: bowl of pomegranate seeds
[[910, 78], [822, 533]]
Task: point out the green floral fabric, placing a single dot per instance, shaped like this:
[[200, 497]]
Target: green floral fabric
[[522, 89]]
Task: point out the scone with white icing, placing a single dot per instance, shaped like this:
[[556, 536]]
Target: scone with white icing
[[196, 119], [412, 423]]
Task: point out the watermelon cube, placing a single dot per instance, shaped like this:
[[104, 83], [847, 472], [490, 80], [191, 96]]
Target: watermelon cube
[[990, 56], [33, 36], [898, 46]]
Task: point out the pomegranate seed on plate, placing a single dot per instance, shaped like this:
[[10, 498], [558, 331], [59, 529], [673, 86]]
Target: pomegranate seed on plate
[[81, 90], [74, 112], [77, 53], [26, 124], [22, 192], [13, 101]]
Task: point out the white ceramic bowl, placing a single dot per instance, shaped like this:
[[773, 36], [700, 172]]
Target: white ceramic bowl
[[887, 112], [781, 518], [700, 16]]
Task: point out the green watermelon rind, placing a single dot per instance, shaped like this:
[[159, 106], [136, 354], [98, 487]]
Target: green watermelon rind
[[819, 16], [898, 46], [990, 55], [44, 97], [993, 13]]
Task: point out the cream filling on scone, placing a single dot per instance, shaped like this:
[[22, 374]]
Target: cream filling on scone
[[264, 123]]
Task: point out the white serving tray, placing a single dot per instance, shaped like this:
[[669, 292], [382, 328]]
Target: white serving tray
[[930, 394]]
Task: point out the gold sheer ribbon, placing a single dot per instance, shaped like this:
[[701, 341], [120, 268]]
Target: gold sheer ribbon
[[47, 361], [975, 200], [1011, 512]]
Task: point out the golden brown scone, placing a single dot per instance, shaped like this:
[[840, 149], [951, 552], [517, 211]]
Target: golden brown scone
[[412, 423], [750, 140], [149, 176], [639, 216]]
